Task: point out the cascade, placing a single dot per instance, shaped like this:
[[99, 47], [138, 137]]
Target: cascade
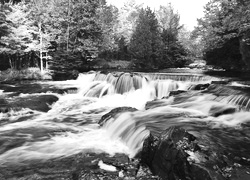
[[231, 96], [69, 130], [125, 82], [180, 77], [163, 84]]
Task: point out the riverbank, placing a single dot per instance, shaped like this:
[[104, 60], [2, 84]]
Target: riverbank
[[25, 74]]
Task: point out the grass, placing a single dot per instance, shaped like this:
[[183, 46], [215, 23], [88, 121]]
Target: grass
[[24, 74]]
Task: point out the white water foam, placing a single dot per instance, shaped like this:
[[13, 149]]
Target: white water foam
[[70, 127], [59, 146]]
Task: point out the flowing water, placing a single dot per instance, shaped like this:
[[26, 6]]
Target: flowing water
[[218, 115]]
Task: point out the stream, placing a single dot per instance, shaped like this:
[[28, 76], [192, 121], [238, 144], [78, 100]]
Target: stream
[[51, 129]]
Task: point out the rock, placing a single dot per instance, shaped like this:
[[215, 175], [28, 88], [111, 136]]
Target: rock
[[144, 173], [199, 87], [38, 103], [114, 112], [3, 106], [159, 103], [220, 82], [221, 109], [166, 157], [30, 88], [173, 93]]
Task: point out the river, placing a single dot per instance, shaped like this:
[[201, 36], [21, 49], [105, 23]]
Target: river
[[213, 109]]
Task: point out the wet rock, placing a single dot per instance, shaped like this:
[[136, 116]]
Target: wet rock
[[173, 93], [221, 109], [83, 166], [199, 87], [114, 112], [166, 155], [158, 103], [3, 106], [38, 103], [144, 173], [30, 88], [220, 82]]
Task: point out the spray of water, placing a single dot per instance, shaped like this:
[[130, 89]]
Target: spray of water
[[70, 127]]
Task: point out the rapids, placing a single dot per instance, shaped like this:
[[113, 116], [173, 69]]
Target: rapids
[[219, 115]]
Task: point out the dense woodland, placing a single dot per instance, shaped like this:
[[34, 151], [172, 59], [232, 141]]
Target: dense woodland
[[224, 33], [75, 34]]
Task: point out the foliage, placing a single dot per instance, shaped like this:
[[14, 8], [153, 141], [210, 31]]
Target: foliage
[[192, 43], [24, 74], [127, 20], [4, 23], [71, 34], [107, 17], [225, 32], [123, 26], [19, 38], [146, 43], [173, 51]]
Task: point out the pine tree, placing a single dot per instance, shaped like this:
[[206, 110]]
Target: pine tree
[[146, 43], [174, 54]]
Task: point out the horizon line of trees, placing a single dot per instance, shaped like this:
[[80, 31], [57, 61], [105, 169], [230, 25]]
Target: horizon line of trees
[[73, 34]]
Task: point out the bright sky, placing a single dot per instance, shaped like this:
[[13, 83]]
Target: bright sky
[[189, 10]]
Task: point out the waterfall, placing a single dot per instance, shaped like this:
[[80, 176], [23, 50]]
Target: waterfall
[[180, 77], [100, 84], [97, 84], [230, 95], [70, 126]]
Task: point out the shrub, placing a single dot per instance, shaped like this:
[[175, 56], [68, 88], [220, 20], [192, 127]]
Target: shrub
[[25, 74]]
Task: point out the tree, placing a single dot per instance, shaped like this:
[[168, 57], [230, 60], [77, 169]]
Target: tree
[[192, 43], [127, 20], [174, 54], [146, 43], [108, 18], [4, 23], [224, 31], [19, 39]]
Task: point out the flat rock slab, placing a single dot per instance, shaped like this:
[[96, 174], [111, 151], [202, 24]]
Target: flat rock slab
[[33, 102], [31, 88]]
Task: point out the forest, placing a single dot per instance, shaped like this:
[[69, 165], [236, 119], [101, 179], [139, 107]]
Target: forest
[[224, 33], [67, 35]]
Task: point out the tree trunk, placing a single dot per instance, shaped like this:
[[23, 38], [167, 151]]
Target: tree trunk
[[245, 51], [46, 62], [41, 47], [68, 25], [11, 65]]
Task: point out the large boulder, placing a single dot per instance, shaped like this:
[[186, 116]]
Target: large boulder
[[166, 155]]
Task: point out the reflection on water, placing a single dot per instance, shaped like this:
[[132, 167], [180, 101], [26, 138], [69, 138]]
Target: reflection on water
[[218, 116]]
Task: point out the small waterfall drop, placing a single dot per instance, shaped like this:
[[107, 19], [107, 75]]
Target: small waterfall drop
[[123, 83], [125, 128], [70, 126], [230, 95]]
